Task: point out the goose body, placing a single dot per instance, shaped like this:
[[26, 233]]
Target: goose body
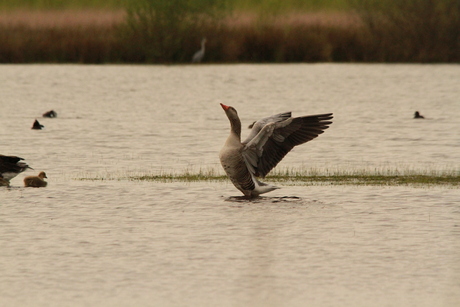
[[10, 167], [36, 181], [270, 139]]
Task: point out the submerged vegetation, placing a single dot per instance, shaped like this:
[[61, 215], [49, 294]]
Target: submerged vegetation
[[155, 31]]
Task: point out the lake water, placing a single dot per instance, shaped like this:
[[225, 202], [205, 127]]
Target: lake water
[[135, 243]]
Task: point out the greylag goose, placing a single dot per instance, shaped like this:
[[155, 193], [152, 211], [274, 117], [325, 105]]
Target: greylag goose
[[268, 142], [417, 115], [10, 167], [199, 55], [36, 181], [50, 114], [37, 125]]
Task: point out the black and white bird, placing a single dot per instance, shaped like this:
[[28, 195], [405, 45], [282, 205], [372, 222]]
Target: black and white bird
[[268, 142], [50, 114], [10, 167]]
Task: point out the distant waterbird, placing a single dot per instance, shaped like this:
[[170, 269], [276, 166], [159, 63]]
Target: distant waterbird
[[37, 125], [10, 167], [268, 142], [417, 115], [199, 55], [50, 114], [36, 181]]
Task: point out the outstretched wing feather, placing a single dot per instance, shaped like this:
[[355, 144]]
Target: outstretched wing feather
[[299, 131]]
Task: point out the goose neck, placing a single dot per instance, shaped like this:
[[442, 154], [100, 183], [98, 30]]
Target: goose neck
[[235, 128]]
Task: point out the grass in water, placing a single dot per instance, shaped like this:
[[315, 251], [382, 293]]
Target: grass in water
[[307, 177]]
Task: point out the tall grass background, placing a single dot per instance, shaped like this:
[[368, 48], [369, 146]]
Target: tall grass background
[[158, 31], [241, 5]]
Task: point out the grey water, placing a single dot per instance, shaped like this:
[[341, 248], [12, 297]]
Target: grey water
[[95, 238]]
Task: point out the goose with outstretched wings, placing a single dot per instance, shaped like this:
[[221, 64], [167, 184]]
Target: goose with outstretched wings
[[270, 139]]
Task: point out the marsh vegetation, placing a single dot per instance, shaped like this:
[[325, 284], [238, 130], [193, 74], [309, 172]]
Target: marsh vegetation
[[153, 31], [302, 176]]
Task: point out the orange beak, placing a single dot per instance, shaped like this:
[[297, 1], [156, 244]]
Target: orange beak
[[224, 106]]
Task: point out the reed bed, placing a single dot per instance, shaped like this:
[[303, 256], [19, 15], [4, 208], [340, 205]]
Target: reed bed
[[78, 37], [250, 33], [64, 18], [246, 5], [67, 36]]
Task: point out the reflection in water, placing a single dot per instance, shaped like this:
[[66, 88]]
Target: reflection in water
[[264, 199]]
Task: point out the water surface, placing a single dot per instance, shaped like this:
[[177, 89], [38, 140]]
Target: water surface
[[135, 243]]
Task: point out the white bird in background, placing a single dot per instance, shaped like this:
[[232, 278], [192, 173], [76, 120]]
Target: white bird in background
[[199, 55], [268, 142]]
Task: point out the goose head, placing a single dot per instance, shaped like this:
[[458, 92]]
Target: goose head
[[232, 115]]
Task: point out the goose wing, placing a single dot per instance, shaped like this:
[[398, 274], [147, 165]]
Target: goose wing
[[10, 166], [263, 151], [261, 123]]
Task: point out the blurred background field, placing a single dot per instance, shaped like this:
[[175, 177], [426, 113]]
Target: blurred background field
[[242, 5], [251, 31]]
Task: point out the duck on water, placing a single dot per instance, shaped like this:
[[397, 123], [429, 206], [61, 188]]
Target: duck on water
[[270, 139], [50, 114], [36, 181], [37, 126]]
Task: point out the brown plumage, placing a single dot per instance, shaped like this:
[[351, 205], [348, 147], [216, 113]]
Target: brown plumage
[[36, 181], [269, 141]]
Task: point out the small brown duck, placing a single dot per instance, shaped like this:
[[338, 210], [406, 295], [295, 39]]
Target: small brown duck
[[36, 181], [37, 125], [10, 167], [418, 115]]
